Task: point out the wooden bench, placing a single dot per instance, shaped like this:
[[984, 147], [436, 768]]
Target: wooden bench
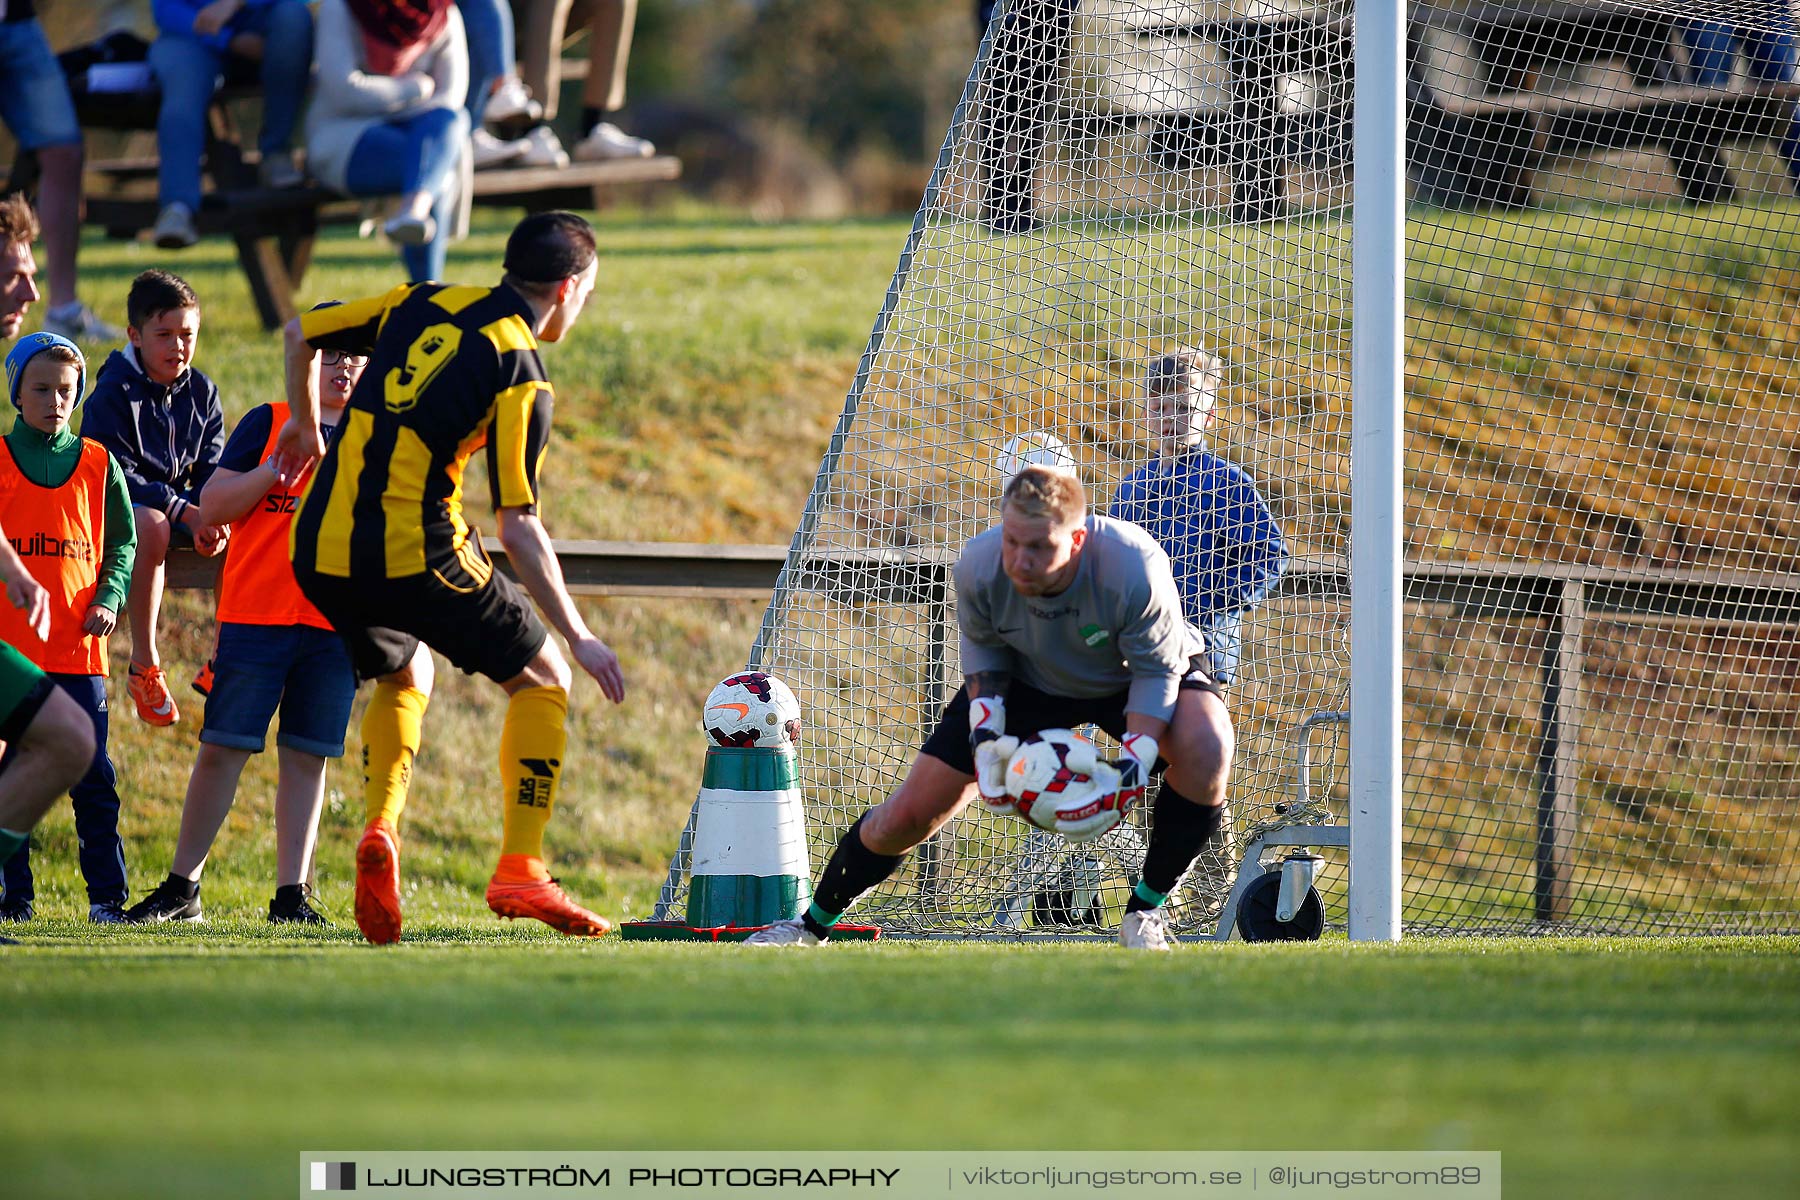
[[1518, 93], [1212, 85], [274, 229], [1256, 85]]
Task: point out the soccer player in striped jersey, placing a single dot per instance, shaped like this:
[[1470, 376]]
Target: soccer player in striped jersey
[[380, 544], [1066, 619]]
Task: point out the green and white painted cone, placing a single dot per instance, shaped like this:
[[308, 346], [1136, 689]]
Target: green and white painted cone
[[749, 864]]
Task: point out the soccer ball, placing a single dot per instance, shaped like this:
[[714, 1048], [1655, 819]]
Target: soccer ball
[[1034, 449], [752, 709], [1044, 784]]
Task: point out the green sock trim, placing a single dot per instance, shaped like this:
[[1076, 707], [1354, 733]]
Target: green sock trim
[[1153, 898], [10, 843], [819, 916]]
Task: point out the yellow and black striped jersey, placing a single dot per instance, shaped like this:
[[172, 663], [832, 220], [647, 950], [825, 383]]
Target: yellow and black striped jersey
[[451, 370]]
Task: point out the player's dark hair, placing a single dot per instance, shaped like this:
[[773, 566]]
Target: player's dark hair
[[548, 248], [154, 293], [17, 222]]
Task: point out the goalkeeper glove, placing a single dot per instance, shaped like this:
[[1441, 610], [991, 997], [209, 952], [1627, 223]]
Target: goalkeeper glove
[[1085, 821], [993, 751]]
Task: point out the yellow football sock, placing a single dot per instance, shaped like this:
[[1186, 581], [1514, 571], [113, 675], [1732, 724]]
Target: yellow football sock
[[531, 751], [390, 733]]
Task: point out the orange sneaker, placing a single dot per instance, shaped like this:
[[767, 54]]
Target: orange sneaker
[[203, 679], [378, 885], [150, 691], [543, 900]]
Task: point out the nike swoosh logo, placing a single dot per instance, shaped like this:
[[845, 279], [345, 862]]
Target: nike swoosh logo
[[743, 710]]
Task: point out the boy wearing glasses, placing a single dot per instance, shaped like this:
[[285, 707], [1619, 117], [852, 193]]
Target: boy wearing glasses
[[275, 651]]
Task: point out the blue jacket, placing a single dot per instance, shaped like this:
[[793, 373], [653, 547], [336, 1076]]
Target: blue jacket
[[177, 17], [166, 440], [1221, 538]]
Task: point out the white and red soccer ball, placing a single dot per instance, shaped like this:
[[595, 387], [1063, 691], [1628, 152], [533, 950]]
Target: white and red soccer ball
[[752, 709], [1058, 774]]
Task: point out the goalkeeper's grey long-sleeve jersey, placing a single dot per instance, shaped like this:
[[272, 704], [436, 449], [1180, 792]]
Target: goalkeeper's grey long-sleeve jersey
[[1118, 625]]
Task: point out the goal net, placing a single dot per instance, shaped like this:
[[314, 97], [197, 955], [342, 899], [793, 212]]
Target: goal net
[[1602, 449]]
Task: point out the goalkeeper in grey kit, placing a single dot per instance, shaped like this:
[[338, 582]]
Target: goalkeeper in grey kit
[[1066, 619]]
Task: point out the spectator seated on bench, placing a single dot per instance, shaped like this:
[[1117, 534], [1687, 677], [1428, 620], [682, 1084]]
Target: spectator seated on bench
[[35, 106], [544, 25], [388, 119], [1497, 92], [202, 44], [498, 99], [1769, 58]]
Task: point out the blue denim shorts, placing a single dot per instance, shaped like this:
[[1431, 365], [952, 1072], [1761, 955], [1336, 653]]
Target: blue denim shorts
[[34, 96], [302, 671]]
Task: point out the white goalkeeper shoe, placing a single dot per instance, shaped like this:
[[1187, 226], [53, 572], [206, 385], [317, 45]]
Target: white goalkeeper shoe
[[1145, 930], [783, 933]]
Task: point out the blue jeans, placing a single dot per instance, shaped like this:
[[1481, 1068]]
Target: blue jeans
[[96, 800], [190, 72], [299, 670], [1770, 56], [413, 154], [34, 96], [488, 27]]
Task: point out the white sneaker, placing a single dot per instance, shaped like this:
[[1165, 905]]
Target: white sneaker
[[783, 933], [606, 141], [511, 101], [408, 230], [79, 323], [1145, 930], [541, 149], [491, 151], [174, 228]]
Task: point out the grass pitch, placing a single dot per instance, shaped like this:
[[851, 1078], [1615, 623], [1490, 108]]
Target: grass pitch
[[200, 1062]]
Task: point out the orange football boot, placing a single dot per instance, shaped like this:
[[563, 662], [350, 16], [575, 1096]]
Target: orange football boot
[[523, 888], [150, 692], [378, 884]]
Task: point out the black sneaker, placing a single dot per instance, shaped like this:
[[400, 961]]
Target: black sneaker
[[16, 911], [290, 907], [110, 912], [169, 902]]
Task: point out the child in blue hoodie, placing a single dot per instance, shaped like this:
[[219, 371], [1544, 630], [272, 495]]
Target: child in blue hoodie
[[161, 421], [1204, 509]]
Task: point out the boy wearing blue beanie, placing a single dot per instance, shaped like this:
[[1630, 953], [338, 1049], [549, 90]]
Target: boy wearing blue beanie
[[67, 514]]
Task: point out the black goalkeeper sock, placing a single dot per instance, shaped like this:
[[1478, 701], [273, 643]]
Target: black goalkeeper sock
[[590, 117], [1179, 830], [854, 870], [187, 889]]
